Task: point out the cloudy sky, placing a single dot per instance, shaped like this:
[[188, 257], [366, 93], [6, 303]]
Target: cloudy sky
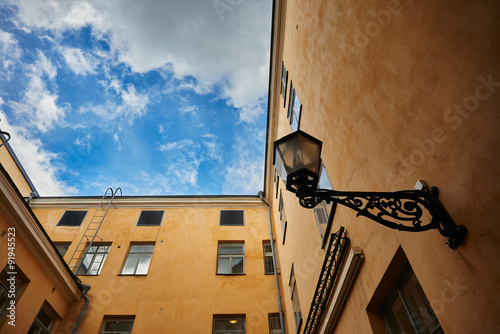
[[156, 97]]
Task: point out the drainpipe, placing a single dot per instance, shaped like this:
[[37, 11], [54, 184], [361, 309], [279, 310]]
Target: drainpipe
[[275, 263], [32, 195], [85, 289]]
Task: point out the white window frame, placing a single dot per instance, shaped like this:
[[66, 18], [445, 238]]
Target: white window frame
[[147, 255], [294, 108], [323, 210], [92, 254], [281, 208], [284, 82], [231, 257], [115, 319], [415, 318], [268, 255]]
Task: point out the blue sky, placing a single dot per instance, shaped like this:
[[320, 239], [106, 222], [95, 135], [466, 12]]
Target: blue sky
[[155, 97]]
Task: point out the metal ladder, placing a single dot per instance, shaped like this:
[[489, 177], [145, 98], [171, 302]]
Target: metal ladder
[[90, 233]]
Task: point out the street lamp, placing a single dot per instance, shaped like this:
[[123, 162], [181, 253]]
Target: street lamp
[[297, 157]]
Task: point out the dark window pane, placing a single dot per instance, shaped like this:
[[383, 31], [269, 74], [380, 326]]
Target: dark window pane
[[44, 318], [62, 248], [274, 323], [268, 265], [150, 218], [119, 325], [229, 323], [223, 266], [231, 218], [72, 218], [231, 249], [237, 265]]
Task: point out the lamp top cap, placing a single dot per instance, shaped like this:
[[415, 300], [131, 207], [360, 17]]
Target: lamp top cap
[[295, 134]]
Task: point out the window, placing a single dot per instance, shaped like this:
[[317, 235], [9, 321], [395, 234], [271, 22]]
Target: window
[[274, 324], [268, 258], [284, 82], [72, 218], [231, 218], [44, 321], [138, 259], [324, 211], [231, 258], [115, 325], [93, 260], [407, 309], [150, 218], [225, 324], [62, 248], [7, 285], [281, 208], [294, 109], [297, 314]]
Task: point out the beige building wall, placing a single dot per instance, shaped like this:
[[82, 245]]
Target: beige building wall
[[28, 255], [14, 170], [181, 291], [397, 91]]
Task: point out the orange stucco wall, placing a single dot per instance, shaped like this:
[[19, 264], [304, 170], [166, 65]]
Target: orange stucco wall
[[40, 287], [13, 170], [181, 292], [399, 91]]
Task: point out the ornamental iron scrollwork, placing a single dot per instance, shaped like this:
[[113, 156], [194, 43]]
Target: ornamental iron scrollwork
[[329, 272], [400, 210]]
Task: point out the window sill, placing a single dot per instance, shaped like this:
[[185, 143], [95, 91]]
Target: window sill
[[132, 275], [243, 274]]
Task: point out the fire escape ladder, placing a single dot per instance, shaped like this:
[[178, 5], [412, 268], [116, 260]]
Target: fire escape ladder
[[93, 227]]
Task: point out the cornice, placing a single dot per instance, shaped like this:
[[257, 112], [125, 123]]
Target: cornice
[[166, 202], [274, 98], [18, 215]]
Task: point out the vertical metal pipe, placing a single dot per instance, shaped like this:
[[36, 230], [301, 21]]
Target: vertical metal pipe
[[86, 288], [275, 263]]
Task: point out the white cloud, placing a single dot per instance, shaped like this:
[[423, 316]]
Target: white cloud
[[84, 143], [59, 15], [10, 52], [130, 106], [192, 38], [178, 145], [184, 157], [118, 141], [251, 112], [244, 175], [78, 62], [42, 166], [39, 105]]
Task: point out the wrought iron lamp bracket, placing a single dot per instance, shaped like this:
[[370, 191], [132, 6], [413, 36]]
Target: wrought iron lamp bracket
[[400, 210]]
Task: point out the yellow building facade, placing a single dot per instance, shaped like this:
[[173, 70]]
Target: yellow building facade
[[397, 91], [194, 268]]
